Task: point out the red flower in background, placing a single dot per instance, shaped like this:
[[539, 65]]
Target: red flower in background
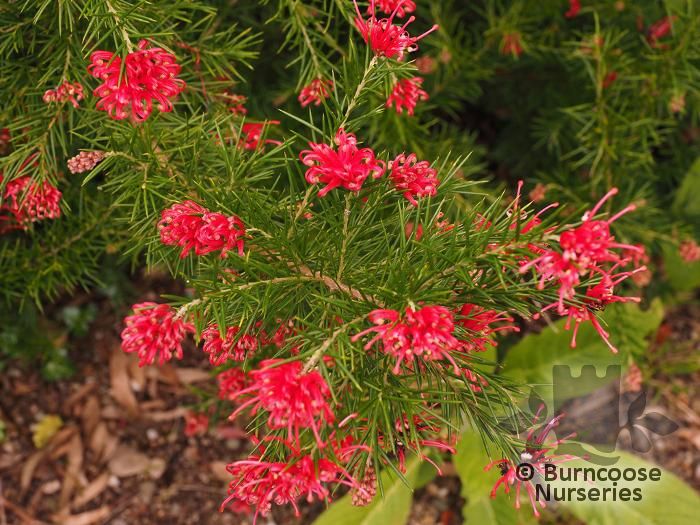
[[66, 92], [251, 134], [426, 333], [153, 331], [406, 94], [27, 201], [221, 350], [231, 382], [574, 9], [130, 87], [196, 423], [413, 178], [385, 38], [192, 226], [479, 321], [294, 399], [402, 7], [660, 29], [315, 92], [511, 44], [348, 167], [689, 251]]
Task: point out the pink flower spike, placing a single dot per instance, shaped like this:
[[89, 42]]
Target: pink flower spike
[[413, 178], [406, 94]]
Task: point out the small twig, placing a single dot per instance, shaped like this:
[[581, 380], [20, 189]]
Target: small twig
[[343, 247], [182, 311], [125, 35], [20, 512], [358, 91], [318, 354]]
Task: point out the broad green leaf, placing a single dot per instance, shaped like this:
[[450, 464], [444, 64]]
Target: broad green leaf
[[686, 203], [531, 359], [391, 509], [469, 462], [668, 501], [682, 276]]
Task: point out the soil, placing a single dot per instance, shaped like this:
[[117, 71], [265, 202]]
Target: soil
[[121, 456]]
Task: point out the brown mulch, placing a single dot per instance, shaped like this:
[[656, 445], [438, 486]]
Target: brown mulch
[[121, 456]]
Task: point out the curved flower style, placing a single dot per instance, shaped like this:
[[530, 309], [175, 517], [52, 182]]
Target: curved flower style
[[192, 226], [28, 201], [406, 94], [315, 92], [153, 331], [426, 333], [385, 38], [130, 87], [294, 400], [413, 178], [221, 350], [348, 167]]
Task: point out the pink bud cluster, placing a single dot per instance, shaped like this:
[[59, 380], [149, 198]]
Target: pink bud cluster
[[67, 92], [130, 87], [85, 161], [193, 227]]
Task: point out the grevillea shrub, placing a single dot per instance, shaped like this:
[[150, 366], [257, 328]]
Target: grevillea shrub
[[311, 171]]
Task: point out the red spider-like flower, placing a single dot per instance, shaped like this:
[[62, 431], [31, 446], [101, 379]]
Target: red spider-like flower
[[348, 167], [511, 44], [130, 87], [315, 92], [479, 321], [385, 38], [196, 423], [574, 9], [537, 454], [67, 92], [235, 103], [413, 178], [153, 330], [192, 226], [426, 333], [221, 350], [28, 201], [260, 483], [402, 7], [295, 400], [231, 382], [251, 134], [406, 94], [85, 161]]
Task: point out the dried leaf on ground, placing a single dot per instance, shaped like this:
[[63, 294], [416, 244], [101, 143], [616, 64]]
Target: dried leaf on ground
[[85, 518], [128, 462], [93, 489], [119, 382]]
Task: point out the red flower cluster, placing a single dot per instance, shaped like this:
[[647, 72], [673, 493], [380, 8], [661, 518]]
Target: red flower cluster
[[26, 201], [315, 92], [196, 423], [478, 320], [261, 483], [385, 38], [537, 454], [402, 7], [85, 161], [235, 103], [153, 331], [231, 382], [295, 400], [251, 134], [406, 94], [689, 251], [660, 29], [67, 92], [586, 251], [129, 88], [191, 226], [413, 178], [221, 350], [426, 333], [348, 167]]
